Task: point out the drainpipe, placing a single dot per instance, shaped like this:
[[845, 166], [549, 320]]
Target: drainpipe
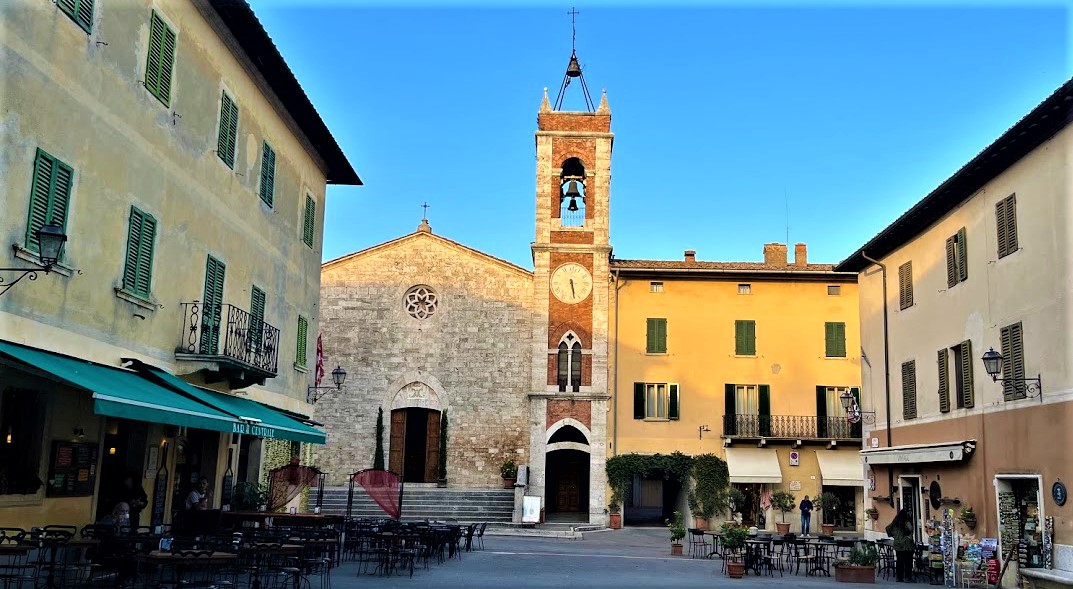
[[886, 367], [614, 379]]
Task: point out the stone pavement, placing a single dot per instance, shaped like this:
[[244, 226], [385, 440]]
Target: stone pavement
[[632, 557]]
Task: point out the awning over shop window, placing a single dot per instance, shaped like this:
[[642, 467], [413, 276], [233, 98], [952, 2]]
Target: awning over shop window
[[920, 453], [753, 465], [253, 418], [121, 393], [843, 469]]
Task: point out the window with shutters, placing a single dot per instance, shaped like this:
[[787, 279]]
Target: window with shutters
[[50, 195], [1013, 363], [656, 401], [309, 221], [944, 381], [138, 262], [268, 173], [569, 363], [831, 419], [228, 132], [747, 411], [745, 337], [80, 11], [256, 328], [160, 64], [303, 334], [744, 289], [905, 285], [957, 269], [1006, 224], [212, 308], [834, 339], [909, 389], [963, 381], [655, 287], [656, 336]]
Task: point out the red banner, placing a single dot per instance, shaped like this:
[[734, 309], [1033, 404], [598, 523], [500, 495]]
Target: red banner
[[385, 488]]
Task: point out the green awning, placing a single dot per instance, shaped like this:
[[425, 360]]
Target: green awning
[[253, 418], [122, 393]]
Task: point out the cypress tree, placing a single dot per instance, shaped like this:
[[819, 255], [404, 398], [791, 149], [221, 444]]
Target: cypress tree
[[378, 457]]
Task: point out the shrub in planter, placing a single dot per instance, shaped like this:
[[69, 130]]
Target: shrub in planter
[[509, 471], [872, 512], [678, 531], [968, 517], [860, 567], [734, 538], [783, 501], [827, 501]]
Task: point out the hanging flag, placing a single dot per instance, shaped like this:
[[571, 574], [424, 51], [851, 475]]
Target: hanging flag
[[320, 360]]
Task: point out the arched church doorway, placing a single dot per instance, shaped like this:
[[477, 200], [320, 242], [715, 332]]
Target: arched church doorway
[[414, 450], [567, 485]]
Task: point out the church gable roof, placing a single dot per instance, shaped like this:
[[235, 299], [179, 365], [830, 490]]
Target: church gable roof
[[416, 237]]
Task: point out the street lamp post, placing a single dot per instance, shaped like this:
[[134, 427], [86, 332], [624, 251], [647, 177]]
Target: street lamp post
[[50, 241], [338, 377], [853, 409], [1032, 387]]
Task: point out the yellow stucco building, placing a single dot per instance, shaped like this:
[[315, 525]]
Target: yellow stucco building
[[172, 147], [745, 360]]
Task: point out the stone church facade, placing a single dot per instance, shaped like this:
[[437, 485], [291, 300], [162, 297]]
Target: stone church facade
[[517, 358]]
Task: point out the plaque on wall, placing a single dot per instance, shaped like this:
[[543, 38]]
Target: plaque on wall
[[72, 469]]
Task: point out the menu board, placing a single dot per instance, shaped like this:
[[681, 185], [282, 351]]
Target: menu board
[[72, 469]]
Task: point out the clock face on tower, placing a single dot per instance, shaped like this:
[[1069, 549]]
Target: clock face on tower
[[571, 283]]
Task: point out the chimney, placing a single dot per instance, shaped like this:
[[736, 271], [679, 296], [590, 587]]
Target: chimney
[[691, 255], [775, 254], [800, 256]]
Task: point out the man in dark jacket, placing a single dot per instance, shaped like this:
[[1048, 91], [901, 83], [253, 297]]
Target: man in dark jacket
[[806, 515]]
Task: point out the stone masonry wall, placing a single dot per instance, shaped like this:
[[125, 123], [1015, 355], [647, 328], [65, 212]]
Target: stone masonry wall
[[473, 353]]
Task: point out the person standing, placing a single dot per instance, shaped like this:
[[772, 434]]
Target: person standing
[[806, 515], [900, 530], [132, 493]]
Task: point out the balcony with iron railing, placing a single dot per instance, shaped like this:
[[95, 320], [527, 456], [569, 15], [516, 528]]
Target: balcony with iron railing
[[243, 349], [790, 427]]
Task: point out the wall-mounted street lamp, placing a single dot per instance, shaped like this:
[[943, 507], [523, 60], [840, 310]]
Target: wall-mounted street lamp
[[702, 429], [853, 409], [1031, 387], [50, 238], [338, 377]]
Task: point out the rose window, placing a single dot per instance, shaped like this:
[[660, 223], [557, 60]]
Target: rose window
[[420, 302]]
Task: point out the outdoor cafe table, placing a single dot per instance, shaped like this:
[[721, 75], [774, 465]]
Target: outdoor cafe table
[[716, 538], [267, 518], [179, 561], [822, 551]]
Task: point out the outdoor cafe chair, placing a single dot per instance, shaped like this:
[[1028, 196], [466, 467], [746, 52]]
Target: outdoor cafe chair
[[698, 544]]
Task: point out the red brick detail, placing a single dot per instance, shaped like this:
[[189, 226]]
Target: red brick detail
[[559, 409], [553, 369], [586, 370], [563, 317], [583, 237]]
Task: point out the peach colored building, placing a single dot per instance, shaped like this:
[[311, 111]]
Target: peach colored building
[[983, 262]]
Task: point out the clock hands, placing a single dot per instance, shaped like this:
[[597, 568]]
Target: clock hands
[[572, 293]]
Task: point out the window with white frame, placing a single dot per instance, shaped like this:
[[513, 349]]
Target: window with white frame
[[569, 370], [746, 399], [655, 287], [744, 289]]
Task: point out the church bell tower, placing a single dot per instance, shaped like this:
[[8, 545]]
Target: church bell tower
[[569, 395]]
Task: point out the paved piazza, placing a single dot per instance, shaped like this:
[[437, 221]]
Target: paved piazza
[[637, 557]]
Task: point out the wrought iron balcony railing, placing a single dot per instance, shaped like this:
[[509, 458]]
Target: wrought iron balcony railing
[[795, 427], [227, 333]]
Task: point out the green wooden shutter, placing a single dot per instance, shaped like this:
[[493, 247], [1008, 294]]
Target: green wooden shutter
[[134, 241], [730, 422], [50, 195], [745, 337], [763, 409], [661, 335], [672, 402], [909, 390], [228, 135], [1011, 224], [951, 261], [656, 336], [944, 381], [962, 255], [638, 400], [80, 11], [821, 411], [650, 336], [967, 396], [835, 339], [303, 329], [310, 221], [138, 269], [905, 285], [1000, 227], [1013, 362], [212, 308], [257, 317], [161, 59], [268, 173]]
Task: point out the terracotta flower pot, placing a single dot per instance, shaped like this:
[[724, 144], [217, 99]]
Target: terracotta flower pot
[[676, 550], [783, 528], [701, 522], [509, 483], [735, 569], [847, 573], [827, 529], [616, 521]]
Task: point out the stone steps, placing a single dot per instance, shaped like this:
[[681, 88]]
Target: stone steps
[[464, 505]]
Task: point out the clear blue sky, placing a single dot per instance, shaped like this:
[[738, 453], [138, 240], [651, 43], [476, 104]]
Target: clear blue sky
[[722, 113]]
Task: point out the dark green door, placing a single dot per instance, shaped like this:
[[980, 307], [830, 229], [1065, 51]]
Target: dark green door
[[212, 310]]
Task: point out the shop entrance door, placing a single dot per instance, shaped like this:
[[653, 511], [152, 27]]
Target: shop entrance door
[[909, 498], [124, 456]]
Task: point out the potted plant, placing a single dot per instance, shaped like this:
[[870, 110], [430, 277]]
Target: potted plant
[[614, 515], [736, 498], [827, 502], [733, 539], [249, 496], [509, 471], [783, 501], [860, 567], [968, 517], [678, 531], [872, 513]]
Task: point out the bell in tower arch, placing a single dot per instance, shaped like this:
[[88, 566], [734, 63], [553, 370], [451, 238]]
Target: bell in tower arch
[[573, 194]]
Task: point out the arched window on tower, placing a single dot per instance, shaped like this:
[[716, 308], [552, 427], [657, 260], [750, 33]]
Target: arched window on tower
[[572, 193], [569, 363]]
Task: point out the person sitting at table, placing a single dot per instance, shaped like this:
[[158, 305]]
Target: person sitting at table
[[199, 495], [120, 515]]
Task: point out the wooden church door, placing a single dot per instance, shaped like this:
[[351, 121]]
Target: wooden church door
[[397, 451], [432, 447]]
